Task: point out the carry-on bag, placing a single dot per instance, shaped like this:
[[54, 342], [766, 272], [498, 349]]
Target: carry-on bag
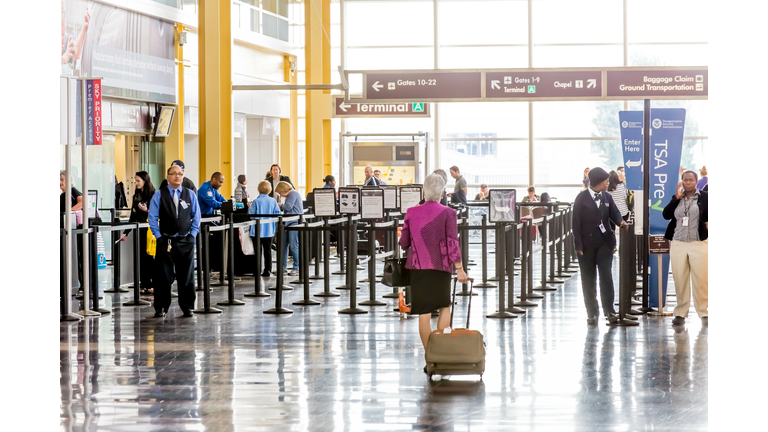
[[456, 351]]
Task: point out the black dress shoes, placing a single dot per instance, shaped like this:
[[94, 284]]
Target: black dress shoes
[[160, 314], [612, 319], [188, 313], [592, 321], [266, 274], [678, 321]]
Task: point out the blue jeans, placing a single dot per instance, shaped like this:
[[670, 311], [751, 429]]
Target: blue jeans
[[291, 240]]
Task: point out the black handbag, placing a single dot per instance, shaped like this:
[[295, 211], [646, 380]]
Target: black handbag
[[395, 273]]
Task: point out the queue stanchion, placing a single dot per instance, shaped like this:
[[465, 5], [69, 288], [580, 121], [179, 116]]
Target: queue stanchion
[[223, 253], [94, 272], [85, 312], [632, 271], [346, 267], [563, 236], [544, 229], [327, 261], [257, 291], [351, 264], [372, 268], [279, 309], [136, 270], [199, 259], [554, 240], [500, 273], [304, 247], [392, 235], [206, 237], [510, 239], [570, 250], [340, 252], [526, 258], [318, 247], [484, 257], [230, 261], [304, 254], [66, 301], [464, 245], [280, 243], [116, 266], [531, 293], [626, 278]]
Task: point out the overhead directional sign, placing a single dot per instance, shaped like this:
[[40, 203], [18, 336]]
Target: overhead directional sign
[[565, 84], [343, 109], [422, 85], [658, 82], [616, 83]]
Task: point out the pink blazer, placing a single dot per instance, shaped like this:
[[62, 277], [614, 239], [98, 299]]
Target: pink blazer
[[430, 231]]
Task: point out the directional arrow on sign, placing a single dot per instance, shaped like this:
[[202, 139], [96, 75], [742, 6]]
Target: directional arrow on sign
[[591, 83], [495, 84], [344, 106], [631, 164], [377, 86]]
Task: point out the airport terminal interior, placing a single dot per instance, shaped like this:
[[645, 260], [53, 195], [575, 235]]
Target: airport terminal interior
[[288, 283]]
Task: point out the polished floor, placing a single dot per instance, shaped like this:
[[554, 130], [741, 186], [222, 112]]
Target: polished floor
[[318, 370]]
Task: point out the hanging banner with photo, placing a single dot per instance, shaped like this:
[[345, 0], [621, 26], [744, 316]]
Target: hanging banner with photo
[[631, 123], [667, 126], [133, 53]]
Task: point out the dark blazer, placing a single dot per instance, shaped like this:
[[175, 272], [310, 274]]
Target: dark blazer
[[282, 178], [587, 218], [669, 213]]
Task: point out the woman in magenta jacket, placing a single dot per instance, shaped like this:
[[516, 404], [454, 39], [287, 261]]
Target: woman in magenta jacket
[[432, 237]]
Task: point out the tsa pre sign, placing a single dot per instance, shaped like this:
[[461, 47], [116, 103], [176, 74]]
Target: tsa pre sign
[[667, 126]]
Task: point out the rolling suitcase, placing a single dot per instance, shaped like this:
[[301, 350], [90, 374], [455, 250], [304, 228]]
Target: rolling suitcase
[[458, 351]]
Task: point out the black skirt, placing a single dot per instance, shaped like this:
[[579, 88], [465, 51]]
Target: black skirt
[[430, 290]]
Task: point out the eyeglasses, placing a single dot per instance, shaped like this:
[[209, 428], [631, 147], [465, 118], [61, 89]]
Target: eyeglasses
[[177, 174]]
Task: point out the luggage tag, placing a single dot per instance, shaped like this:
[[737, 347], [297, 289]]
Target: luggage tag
[[447, 330], [602, 227], [685, 221], [184, 205]]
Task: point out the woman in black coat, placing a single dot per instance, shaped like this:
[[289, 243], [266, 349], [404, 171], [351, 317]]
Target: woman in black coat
[[145, 190]]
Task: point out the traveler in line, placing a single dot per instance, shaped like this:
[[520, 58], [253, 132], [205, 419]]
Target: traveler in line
[[620, 172], [144, 192], [483, 195], [187, 183], [704, 180], [443, 198], [174, 218], [618, 191], [377, 174], [75, 205], [274, 177], [241, 192], [370, 179], [209, 196], [330, 182], [585, 180], [263, 204], [593, 213], [532, 197], [688, 228], [291, 206], [459, 195], [431, 236]]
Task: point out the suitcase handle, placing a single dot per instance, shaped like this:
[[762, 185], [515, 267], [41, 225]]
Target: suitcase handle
[[453, 302]]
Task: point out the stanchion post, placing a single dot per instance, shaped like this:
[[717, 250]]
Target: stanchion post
[[230, 262], [352, 266], [372, 268], [199, 256], [484, 257], [116, 267], [554, 239], [544, 229], [206, 247], [136, 270], [279, 309], [510, 239], [257, 291], [626, 280], [463, 240], [66, 300], [327, 262], [526, 258], [392, 236], [304, 254], [340, 252], [94, 272], [500, 272], [318, 247]]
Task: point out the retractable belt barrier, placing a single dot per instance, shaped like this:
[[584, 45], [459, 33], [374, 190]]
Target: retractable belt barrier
[[627, 277]]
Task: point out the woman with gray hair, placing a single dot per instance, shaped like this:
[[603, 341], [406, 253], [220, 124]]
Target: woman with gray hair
[[431, 234]]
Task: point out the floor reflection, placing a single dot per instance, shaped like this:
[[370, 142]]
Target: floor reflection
[[317, 370]]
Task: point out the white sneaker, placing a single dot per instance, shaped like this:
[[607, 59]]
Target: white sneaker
[[293, 273]]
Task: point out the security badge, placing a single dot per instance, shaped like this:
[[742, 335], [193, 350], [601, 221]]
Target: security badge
[[685, 221], [183, 204]]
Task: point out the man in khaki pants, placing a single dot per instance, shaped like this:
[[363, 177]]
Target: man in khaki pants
[[687, 231]]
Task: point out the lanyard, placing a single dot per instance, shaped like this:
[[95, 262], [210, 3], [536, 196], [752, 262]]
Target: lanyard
[[687, 204]]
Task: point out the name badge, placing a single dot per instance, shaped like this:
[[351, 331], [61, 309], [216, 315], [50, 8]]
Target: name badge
[[210, 193], [183, 204], [685, 221], [602, 227]]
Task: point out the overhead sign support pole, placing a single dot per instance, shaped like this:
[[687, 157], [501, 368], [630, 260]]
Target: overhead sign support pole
[[646, 199]]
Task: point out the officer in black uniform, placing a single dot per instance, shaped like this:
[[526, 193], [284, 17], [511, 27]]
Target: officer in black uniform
[[174, 218]]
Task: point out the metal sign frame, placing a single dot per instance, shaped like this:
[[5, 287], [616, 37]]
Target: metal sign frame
[[604, 84], [349, 190]]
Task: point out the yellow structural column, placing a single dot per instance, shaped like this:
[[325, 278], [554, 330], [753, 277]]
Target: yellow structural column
[[327, 135], [174, 144], [288, 150], [215, 53], [315, 35]]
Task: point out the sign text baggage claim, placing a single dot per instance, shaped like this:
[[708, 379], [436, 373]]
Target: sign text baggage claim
[[652, 81]]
